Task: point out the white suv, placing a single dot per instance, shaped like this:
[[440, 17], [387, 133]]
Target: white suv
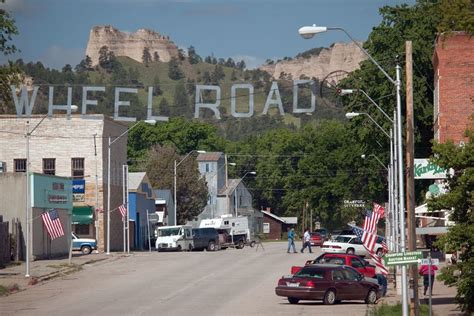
[[350, 244]]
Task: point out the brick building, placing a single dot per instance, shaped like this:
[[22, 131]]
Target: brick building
[[76, 148], [274, 227], [453, 64]]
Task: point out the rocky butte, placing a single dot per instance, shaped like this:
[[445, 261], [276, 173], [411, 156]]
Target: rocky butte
[[340, 56], [129, 44]]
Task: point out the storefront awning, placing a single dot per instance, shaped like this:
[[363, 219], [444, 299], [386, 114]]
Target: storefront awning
[[82, 215]]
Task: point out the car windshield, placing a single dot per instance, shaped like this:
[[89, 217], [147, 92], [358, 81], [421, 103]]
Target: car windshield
[[344, 239], [168, 232], [310, 273]]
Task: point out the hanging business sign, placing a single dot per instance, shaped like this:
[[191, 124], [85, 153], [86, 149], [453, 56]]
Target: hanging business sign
[[424, 169]]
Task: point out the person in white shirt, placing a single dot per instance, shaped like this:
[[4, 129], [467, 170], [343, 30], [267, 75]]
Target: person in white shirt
[[306, 241]]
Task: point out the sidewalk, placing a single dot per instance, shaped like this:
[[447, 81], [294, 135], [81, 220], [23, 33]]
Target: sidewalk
[[442, 300], [13, 275]]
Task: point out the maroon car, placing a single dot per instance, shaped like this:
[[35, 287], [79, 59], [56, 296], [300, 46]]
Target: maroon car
[[316, 239], [330, 283]]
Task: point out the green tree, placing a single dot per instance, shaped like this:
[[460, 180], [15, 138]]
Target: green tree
[[191, 189], [193, 57], [156, 57], [164, 107], [174, 72], [218, 74], [10, 72], [156, 85], [459, 199], [146, 57], [181, 103]]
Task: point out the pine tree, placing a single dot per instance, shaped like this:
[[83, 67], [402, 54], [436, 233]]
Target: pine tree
[[146, 57], [174, 72], [156, 85], [156, 57]]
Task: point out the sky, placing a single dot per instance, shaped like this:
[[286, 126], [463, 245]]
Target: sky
[[56, 32]]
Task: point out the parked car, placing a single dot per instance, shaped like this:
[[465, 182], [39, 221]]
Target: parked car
[[323, 232], [316, 239], [85, 245], [338, 232], [205, 238], [327, 282], [350, 244]]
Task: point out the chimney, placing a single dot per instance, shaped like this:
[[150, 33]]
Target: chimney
[[269, 209]]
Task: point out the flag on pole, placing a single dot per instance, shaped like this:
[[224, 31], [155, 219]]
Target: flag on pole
[[123, 210], [369, 232], [53, 224], [379, 263], [384, 246]]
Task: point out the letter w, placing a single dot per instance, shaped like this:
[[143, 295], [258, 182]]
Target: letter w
[[23, 106]]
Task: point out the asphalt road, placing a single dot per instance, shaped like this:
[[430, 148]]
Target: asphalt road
[[229, 282]]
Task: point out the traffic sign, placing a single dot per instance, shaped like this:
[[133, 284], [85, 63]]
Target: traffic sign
[[434, 262], [401, 258]]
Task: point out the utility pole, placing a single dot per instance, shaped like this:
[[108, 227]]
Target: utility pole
[[410, 176]]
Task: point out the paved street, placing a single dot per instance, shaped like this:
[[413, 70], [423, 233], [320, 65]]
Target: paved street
[[230, 282]]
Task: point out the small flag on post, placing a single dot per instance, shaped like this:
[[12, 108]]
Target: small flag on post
[[53, 224], [123, 210], [379, 263]]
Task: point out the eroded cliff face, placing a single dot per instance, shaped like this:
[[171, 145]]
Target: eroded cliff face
[[341, 56], [129, 44]]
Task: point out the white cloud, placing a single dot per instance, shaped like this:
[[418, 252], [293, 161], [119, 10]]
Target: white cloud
[[57, 56], [251, 62]]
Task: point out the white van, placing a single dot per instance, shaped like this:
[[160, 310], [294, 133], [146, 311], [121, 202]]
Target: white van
[[174, 238]]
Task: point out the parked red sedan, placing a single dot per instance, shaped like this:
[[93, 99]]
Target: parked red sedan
[[316, 239], [330, 283], [354, 261]]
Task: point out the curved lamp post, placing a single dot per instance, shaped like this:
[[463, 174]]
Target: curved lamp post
[[308, 32], [152, 122], [176, 164]]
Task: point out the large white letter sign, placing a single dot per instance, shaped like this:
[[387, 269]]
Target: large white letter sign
[[149, 115], [233, 98], [85, 101], [119, 103], [295, 96], [66, 107], [213, 106], [270, 100], [23, 104]]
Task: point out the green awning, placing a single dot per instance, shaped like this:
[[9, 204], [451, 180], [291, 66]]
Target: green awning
[[82, 215]]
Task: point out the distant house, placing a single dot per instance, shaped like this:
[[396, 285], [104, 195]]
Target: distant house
[[141, 200], [275, 227]]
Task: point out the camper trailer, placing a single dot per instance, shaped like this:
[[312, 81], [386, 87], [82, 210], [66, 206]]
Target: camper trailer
[[233, 231], [174, 238]]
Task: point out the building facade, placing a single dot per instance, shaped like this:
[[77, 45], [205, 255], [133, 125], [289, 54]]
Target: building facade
[[453, 64], [77, 148]]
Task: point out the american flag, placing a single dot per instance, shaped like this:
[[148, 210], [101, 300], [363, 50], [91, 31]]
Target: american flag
[[384, 246], [123, 210], [379, 263], [53, 224], [369, 232]]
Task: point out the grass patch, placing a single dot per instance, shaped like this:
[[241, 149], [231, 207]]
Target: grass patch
[[394, 310], [5, 290], [73, 267]]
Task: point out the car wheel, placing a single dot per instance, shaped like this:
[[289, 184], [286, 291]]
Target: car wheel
[[190, 247], [252, 244], [179, 248], [293, 300], [86, 250], [350, 251], [371, 297], [329, 297], [241, 244], [211, 246]]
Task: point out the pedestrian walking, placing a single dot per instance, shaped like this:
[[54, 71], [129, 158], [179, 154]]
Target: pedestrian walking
[[381, 275], [425, 271], [306, 241], [291, 240]]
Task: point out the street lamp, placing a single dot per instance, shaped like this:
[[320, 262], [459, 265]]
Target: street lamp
[[152, 122], [354, 114], [28, 134], [235, 193], [175, 166], [308, 32]]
